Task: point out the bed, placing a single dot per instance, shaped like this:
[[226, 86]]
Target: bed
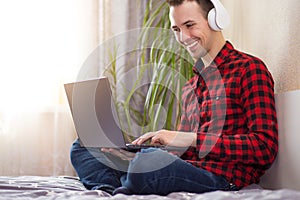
[[66, 187], [281, 174]]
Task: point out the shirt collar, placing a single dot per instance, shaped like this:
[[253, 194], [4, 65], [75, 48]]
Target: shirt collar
[[219, 59]]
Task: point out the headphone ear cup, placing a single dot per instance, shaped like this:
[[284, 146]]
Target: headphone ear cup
[[212, 20]]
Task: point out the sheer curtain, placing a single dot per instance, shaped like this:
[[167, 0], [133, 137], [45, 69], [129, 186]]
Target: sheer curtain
[[116, 18], [43, 44]]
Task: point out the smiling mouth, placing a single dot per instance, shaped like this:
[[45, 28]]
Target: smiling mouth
[[192, 44]]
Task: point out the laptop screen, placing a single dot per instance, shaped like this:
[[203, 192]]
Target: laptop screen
[[94, 113]]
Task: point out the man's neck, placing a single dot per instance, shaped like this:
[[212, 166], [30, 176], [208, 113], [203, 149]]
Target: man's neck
[[219, 43]]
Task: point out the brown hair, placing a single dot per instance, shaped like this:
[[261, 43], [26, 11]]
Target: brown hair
[[206, 5]]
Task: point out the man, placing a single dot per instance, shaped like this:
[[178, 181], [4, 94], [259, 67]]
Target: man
[[228, 122]]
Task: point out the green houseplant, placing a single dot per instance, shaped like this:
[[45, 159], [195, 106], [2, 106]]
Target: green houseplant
[[165, 65]]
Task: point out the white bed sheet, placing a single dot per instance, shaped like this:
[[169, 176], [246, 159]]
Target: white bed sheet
[[70, 188]]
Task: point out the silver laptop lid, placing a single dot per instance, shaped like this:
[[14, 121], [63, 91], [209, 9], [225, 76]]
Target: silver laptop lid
[[94, 113]]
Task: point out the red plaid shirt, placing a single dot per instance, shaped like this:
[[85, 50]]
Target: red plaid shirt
[[230, 104]]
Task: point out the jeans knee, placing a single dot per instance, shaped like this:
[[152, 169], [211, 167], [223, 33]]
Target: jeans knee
[[150, 160]]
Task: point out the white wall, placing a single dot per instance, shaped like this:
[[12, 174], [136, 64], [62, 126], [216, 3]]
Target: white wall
[[285, 171], [270, 30]]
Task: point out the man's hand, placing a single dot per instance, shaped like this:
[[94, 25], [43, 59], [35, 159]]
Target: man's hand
[[170, 138], [124, 155]]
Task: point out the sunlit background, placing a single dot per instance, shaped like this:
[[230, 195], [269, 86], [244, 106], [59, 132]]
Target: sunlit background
[[43, 44]]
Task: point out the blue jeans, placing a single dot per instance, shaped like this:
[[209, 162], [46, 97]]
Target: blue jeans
[[152, 171]]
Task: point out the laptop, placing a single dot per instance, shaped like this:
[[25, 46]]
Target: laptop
[[95, 117]]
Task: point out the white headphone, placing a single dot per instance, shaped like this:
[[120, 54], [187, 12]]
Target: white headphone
[[218, 17]]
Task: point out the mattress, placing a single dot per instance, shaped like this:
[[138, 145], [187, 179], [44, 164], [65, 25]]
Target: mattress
[[65, 187]]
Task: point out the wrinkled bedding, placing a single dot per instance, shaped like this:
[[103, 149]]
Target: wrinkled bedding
[[63, 187]]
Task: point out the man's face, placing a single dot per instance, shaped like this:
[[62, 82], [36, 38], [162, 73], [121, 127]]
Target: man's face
[[191, 28]]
